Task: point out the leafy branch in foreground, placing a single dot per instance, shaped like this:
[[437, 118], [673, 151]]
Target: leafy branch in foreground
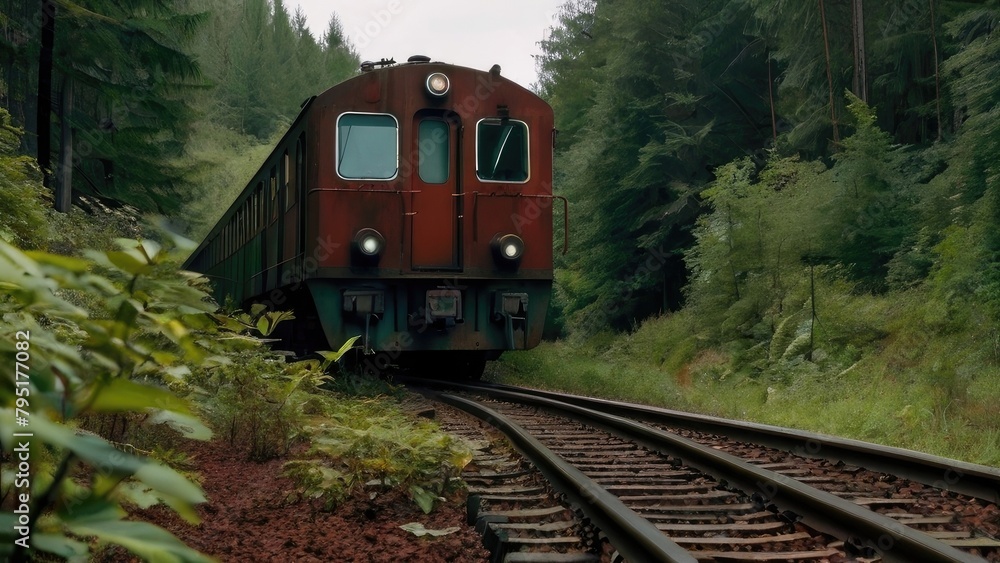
[[145, 326]]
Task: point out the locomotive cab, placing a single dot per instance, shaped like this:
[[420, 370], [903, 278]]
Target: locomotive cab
[[417, 215]]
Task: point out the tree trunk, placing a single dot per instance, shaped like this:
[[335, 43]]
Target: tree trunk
[[770, 97], [829, 72], [860, 53], [19, 73], [44, 113], [64, 180], [937, 74]]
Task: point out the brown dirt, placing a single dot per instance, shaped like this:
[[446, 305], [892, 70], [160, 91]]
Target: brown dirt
[[248, 518]]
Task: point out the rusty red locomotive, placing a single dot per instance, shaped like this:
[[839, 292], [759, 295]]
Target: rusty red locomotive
[[410, 205]]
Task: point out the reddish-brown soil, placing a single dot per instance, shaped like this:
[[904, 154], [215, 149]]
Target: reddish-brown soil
[[248, 518]]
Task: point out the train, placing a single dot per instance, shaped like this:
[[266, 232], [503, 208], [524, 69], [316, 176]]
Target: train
[[411, 206]]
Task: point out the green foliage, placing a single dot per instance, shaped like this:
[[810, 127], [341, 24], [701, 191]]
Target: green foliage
[[252, 395], [125, 68], [359, 443], [750, 266], [873, 211], [648, 108], [264, 63], [648, 99], [227, 160], [140, 333], [913, 389], [22, 216], [333, 357], [256, 397]]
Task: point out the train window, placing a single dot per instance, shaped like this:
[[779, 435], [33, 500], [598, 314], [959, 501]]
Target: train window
[[300, 165], [502, 150], [274, 193], [261, 216], [367, 146], [286, 181], [434, 149]]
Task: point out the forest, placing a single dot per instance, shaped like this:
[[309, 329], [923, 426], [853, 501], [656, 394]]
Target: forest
[[780, 210], [160, 104], [745, 172], [738, 144], [783, 207]]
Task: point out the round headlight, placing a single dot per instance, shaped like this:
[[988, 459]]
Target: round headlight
[[511, 250], [438, 84], [369, 243], [508, 250]]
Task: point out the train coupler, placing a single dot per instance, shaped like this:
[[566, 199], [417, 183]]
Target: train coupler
[[443, 308], [512, 310], [365, 304]]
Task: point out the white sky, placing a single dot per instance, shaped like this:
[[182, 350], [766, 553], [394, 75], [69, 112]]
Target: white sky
[[473, 33]]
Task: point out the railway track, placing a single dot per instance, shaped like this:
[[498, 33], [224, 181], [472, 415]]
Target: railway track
[[597, 486]]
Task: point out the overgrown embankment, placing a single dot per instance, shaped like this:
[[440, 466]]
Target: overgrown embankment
[[909, 387]]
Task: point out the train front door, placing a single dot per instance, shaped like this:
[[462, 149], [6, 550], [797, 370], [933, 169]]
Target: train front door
[[436, 183]]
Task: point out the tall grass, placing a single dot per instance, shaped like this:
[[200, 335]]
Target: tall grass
[[889, 371]]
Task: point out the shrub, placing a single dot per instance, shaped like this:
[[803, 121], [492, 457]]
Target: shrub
[[73, 364]]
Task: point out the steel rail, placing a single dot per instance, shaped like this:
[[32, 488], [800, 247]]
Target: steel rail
[[818, 509], [979, 481], [632, 535]]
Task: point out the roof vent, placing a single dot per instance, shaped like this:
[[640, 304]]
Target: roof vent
[[419, 59]]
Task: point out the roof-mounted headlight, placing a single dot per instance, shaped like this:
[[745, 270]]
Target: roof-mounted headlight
[[438, 84], [368, 246], [507, 251]]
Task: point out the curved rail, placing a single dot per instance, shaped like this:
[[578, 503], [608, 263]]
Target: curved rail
[[961, 477], [818, 509], [634, 536]]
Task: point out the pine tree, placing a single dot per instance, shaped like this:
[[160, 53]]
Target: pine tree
[[118, 86]]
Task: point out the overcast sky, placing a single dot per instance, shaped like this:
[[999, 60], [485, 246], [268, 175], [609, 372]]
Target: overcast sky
[[473, 33]]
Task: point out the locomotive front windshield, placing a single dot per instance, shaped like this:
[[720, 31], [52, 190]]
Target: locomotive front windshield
[[502, 150], [367, 146]]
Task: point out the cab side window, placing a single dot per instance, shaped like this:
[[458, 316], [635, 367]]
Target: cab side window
[[367, 146], [434, 158], [502, 150]]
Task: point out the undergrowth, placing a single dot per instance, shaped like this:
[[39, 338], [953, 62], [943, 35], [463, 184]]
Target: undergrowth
[[114, 355], [895, 370], [371, 443]]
